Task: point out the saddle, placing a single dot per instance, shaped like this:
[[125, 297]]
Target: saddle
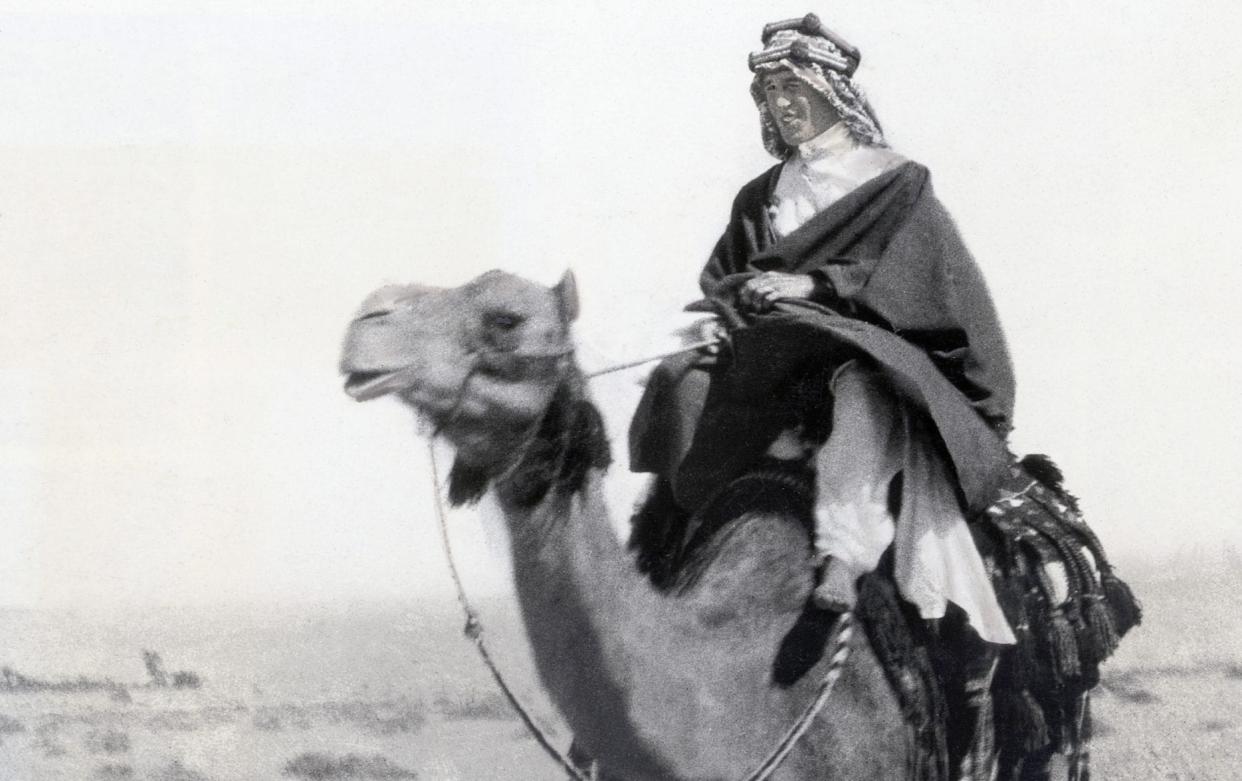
[[1056, 586]]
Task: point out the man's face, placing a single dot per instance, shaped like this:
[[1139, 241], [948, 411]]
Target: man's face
[[800, 112]]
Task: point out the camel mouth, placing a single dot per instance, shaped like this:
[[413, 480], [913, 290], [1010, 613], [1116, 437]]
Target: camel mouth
[[364, 386]]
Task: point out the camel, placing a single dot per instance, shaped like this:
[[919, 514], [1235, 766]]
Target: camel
[[654, 685], [682, 682]]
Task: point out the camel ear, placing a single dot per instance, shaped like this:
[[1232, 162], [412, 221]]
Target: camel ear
[[566, 292]]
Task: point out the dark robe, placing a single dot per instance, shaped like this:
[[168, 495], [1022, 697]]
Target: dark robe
[[903, 294]]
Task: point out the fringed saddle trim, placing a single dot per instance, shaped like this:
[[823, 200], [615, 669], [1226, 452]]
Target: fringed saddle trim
[[1061, 637], [896, 636]]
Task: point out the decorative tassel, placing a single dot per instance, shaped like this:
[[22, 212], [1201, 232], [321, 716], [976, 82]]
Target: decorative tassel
[[1025, 648], [1126, 610], [1020, 719], [1036, 726], [1064, 646], [1038, 736], [1042, 468], [1101, 630]]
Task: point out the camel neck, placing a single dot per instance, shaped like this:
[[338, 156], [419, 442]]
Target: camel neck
[[596, 626]]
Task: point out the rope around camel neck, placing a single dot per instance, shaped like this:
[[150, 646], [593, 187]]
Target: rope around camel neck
[[843, 632], [474, 630]]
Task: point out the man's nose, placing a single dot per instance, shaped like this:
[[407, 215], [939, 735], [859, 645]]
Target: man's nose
[[782, 101]]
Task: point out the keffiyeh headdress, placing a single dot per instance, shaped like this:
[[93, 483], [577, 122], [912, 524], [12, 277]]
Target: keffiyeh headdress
[[825, 62]]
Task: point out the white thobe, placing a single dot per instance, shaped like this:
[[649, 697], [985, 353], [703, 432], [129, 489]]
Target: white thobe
[[876, 435]]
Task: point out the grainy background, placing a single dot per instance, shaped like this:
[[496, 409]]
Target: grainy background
[[194, 196]]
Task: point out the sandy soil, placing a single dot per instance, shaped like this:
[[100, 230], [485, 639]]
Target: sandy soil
[[396, 693]]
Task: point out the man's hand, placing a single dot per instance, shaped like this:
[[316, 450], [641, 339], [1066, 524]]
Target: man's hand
[[761, 292], [712, 329]]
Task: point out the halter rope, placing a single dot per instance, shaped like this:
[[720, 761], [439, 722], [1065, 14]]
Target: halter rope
[[474, 630], [842, 632], [709, 342]]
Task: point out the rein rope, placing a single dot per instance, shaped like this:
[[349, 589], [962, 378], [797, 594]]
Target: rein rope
[[708, 342], [843, 630]]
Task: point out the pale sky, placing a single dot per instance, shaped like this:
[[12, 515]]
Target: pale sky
[[195, 196]]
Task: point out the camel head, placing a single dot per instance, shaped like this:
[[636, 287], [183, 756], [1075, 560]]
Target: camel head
[[481, 362]]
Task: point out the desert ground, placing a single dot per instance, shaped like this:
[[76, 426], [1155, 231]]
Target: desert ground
[[393, 691]]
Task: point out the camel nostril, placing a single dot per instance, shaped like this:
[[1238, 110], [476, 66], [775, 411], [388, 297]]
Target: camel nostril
[[372, 315], [354, 379]]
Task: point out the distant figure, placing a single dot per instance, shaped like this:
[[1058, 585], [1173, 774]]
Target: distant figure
[[155, 668]]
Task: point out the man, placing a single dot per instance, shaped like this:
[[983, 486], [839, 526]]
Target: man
[[847, 236], [841, 258]]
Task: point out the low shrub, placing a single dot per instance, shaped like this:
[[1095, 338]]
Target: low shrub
[[185, 679], [175, 771], [318, 766], [13, 681], [109, 741], [475, 705], [174, 721], [268, 720], [387, 717]]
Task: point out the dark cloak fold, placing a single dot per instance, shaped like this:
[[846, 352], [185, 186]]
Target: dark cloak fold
[[904, 293]]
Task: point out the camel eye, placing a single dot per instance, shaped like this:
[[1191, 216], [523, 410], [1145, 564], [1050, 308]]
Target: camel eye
[[503, 321]]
